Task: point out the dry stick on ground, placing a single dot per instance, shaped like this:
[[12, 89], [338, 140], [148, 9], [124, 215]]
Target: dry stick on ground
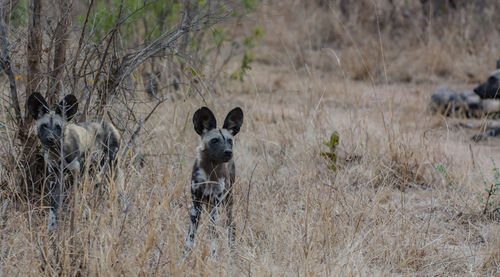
[[490, 193]]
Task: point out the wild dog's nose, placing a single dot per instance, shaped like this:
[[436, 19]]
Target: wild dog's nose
[[50, 140], [228, 153]]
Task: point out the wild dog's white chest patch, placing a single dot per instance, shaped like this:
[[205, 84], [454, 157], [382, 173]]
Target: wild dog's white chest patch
[[214, 188], [222, 184], [200, 181]]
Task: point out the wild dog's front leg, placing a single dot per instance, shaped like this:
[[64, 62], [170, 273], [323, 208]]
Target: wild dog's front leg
[[57, 193], [198, 178], [54, 205], [229, 220], [194, 213], [216, 200], [214, 203], [194, 219]]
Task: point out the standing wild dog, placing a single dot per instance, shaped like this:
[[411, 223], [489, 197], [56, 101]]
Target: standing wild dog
[[68, 146], [214, 170]]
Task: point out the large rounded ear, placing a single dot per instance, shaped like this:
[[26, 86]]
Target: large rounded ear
[[204, 120], [68, 107], [233, 121], [37, 106]]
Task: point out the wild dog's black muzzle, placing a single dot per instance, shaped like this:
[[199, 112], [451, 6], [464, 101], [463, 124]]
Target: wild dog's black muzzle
[[480, 90], [228, 154], [49, 141]]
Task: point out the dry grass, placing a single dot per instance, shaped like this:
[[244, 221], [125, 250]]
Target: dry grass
[[386, 211]]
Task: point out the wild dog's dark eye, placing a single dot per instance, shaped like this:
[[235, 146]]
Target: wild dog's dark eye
[[58, 128], [230, 141], [214, 140], [43, 126]]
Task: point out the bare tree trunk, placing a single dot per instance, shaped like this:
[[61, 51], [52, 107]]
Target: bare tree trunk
[[61, 40], [33, 165], [33, 52]]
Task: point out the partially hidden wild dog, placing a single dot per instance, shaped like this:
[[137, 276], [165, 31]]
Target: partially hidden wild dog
[[213, 171], [491, 87], [68, 146]]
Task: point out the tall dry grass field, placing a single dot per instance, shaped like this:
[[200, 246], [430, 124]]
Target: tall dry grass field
[[407, 197]]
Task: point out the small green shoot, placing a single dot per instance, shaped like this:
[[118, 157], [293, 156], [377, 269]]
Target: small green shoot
[[331, 155], [442, 169]]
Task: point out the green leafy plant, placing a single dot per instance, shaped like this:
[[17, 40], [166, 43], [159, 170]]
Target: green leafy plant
[[331, 155], [153, 16], [19, 14], [249, 43]]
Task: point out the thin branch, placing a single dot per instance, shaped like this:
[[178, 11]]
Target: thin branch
[[80, 42], [248, 199], [103, 59], [139, 127], [7, 68]]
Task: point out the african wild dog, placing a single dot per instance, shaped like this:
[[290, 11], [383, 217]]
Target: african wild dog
[[67, 146], [491, 87], [453, 103], [214, 170]]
